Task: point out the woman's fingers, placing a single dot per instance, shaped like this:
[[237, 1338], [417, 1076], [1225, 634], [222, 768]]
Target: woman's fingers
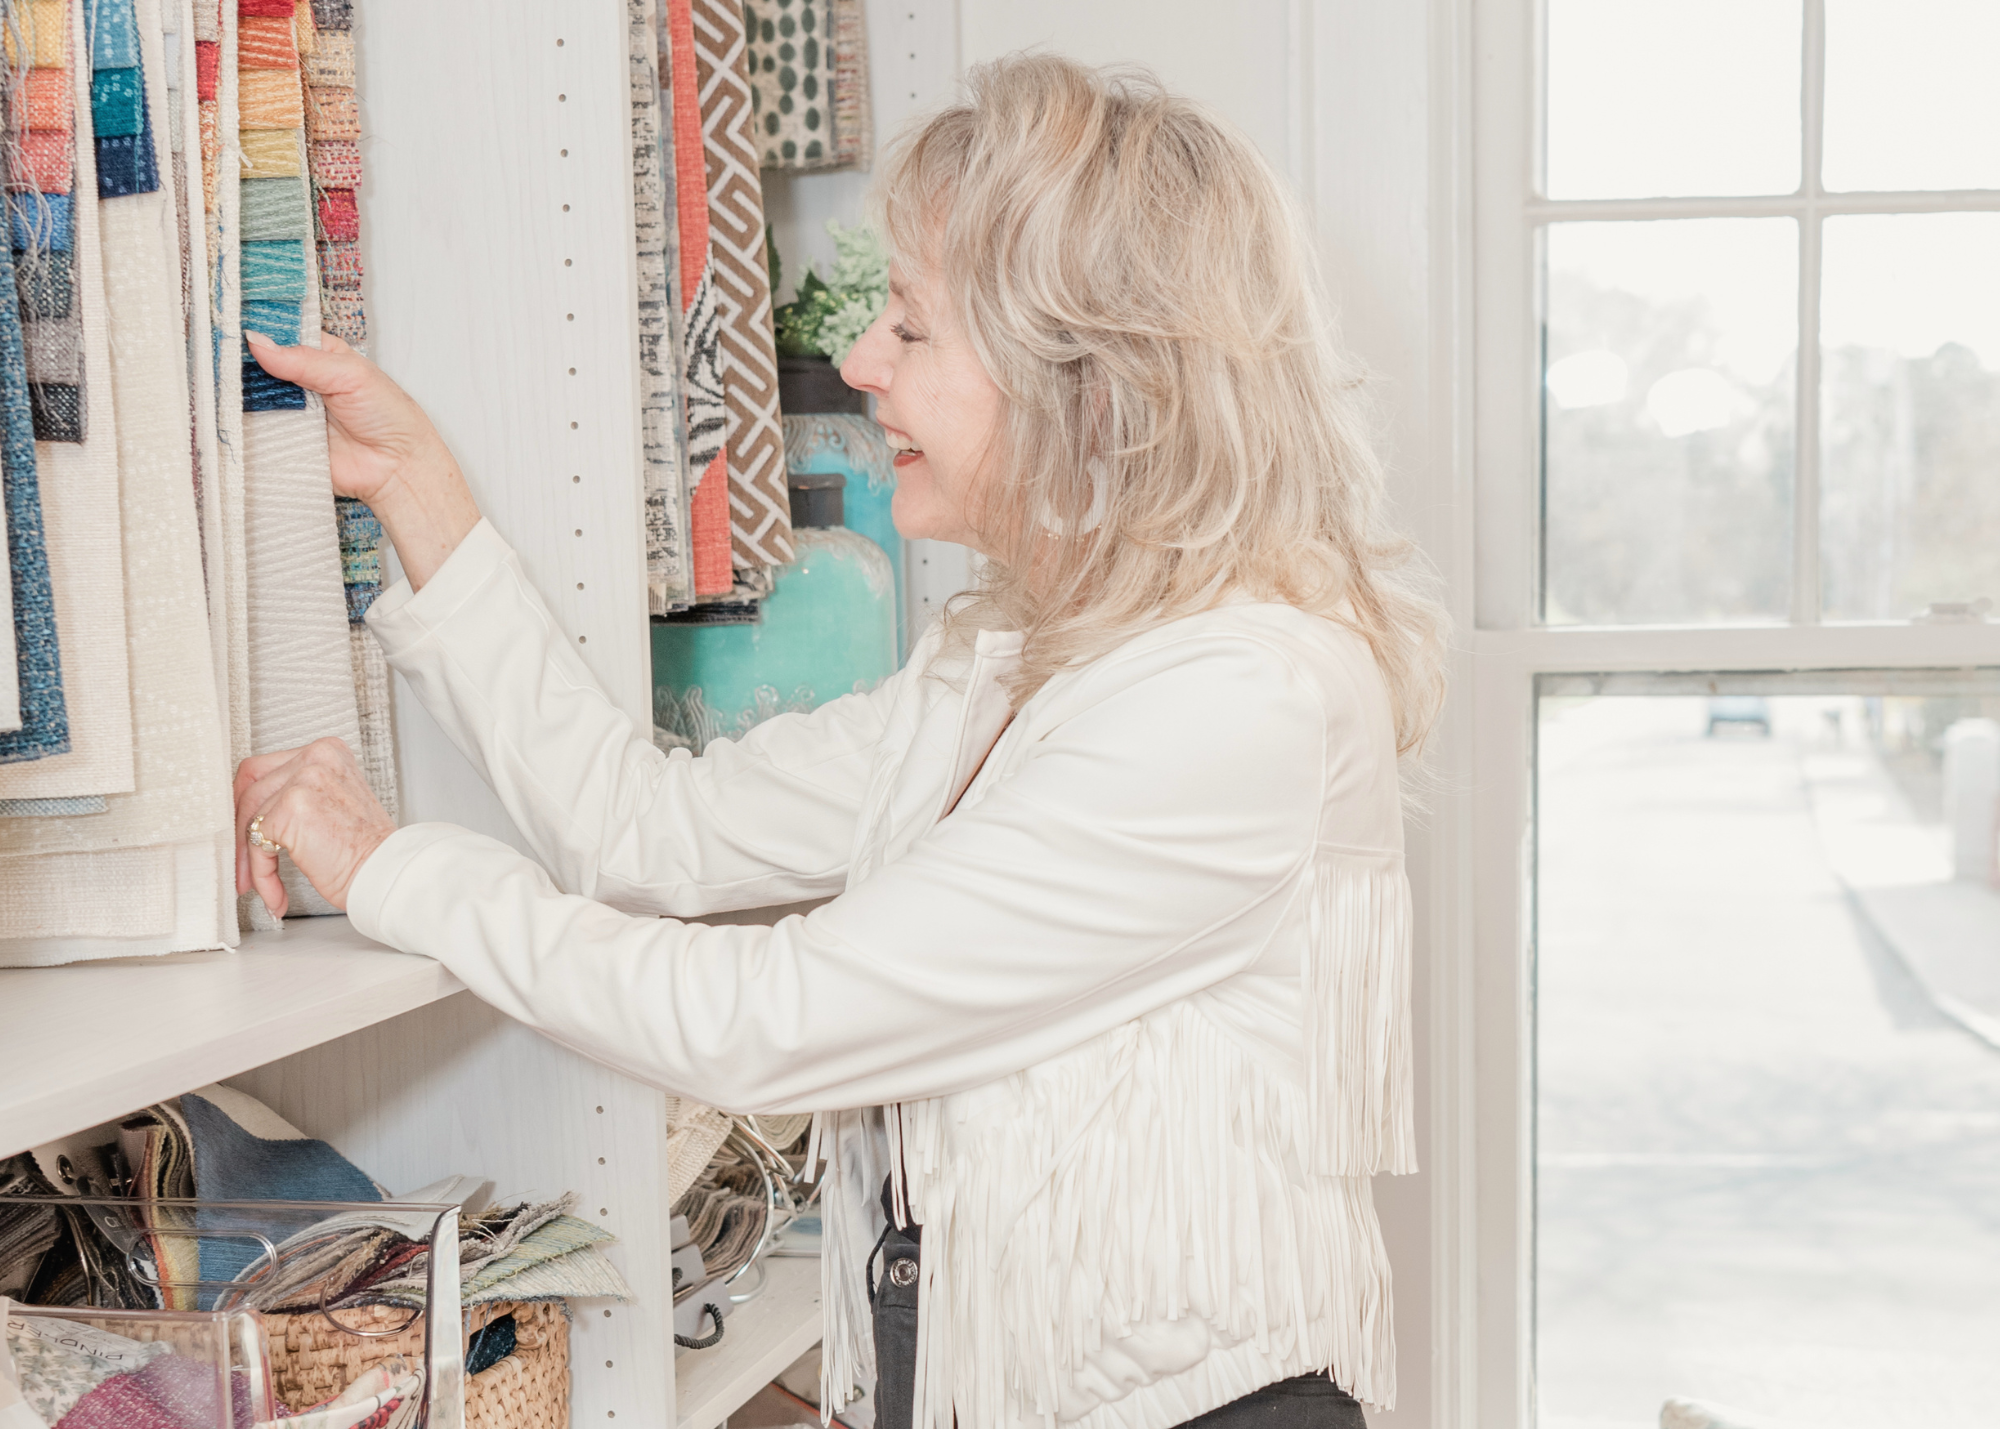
[[315, 803], [327, 370]]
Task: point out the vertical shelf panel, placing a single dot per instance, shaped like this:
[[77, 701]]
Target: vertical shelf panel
[[502, 295]]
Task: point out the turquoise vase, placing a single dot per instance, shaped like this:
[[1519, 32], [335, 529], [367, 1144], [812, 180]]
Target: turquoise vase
[[826, 630], [853, 446]]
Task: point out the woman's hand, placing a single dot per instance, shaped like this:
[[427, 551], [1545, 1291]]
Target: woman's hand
[[315, 803], [384, 450]]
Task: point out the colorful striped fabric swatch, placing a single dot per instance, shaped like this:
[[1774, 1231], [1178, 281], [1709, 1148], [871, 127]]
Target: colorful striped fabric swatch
[[360, 555], [275, 221], [42, 141], [333, 124], [127, 158]]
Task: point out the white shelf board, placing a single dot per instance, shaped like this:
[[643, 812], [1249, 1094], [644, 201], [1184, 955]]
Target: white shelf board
[[761, 1337], [93, 1041]]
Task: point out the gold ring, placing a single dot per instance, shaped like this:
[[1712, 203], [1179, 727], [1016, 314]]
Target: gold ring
[[259, 842]]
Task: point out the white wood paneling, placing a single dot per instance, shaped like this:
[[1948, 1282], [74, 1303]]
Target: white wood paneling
[[90, 1043], [497, 223], [457, 1088]]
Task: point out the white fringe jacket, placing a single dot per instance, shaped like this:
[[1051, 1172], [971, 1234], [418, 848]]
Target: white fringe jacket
[[1130, 1026]]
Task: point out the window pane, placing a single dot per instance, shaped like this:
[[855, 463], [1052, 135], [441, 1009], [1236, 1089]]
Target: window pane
[[1766, 1162], [1698, 97], [1667, 409], [1910, 333], [1910, 98]]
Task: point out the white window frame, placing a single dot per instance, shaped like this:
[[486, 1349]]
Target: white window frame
[[1488, 161]]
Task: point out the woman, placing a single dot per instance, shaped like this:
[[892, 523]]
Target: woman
[[1108, 1011]]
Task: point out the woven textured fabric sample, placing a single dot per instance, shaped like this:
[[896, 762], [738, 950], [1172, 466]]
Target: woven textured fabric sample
[[51, 808], [180, 800], [44, 728], [377, 751], [301, 666], [669, 558], [706, 413], [853, 110], [183, 80], [760, 511], [122, 113], [790, 63], [225, 316], [81, 508]]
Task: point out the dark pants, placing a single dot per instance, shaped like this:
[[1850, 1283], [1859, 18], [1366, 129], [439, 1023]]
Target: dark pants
[[1310, 1401]]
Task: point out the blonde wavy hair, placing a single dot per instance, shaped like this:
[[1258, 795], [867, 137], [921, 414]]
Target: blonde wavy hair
[[1178, 426]]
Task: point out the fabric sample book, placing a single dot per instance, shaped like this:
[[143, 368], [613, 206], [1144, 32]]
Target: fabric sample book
[[82, 521], [177, 817]]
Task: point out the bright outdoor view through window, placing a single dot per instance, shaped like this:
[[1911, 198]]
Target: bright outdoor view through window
[[1768, 1062], [1675, 304], [1767, 908]]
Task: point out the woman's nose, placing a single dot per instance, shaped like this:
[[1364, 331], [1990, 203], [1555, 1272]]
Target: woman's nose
[[868, 366]]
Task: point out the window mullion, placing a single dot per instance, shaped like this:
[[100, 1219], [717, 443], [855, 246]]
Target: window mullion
[[1806, 598]]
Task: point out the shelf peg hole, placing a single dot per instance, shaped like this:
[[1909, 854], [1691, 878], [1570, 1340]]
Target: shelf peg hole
[[562, 153], [600, 1160], [572, 372], [572, 426], [583, 639], [566, 206], [576, 480], [600, 1110], [564, 98]]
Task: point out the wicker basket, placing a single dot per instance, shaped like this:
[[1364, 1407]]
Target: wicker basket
[[311, 1361]]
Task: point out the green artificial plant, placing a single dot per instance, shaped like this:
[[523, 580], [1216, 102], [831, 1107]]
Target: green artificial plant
[[827, 317]]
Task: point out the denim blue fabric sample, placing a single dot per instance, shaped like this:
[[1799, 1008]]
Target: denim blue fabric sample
[[44, 714]]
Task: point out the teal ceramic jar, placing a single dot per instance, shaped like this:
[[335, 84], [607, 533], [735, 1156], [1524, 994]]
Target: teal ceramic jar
[[828, 629], [852, 445]]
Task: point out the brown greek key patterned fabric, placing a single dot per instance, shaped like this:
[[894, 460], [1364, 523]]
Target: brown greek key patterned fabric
[[760, 521]]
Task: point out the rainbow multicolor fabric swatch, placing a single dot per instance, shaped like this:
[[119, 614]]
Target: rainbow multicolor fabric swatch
[[275, 218], [334, 126], [41, 126]]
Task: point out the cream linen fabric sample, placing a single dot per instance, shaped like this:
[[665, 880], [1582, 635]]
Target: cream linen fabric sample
[[80, 508]]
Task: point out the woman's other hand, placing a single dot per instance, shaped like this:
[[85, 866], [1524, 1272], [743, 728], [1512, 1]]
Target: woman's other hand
[[383, 448], [314, 803]]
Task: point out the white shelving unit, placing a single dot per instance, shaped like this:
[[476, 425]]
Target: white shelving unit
[[501, 288]]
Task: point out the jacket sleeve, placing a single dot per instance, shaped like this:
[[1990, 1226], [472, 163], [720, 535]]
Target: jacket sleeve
[[765, 819], [1143, 851]]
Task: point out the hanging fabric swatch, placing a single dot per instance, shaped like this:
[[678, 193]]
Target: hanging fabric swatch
[[191, 231], [807, 62], [760, 519], [853, 112], [225, 163], [42, 135], [127, 159], [36, 715], [160, 854], [44, 717], [706, 411], [81, 510], [335, 162], [790, 62], [669, 574], [301, 661]]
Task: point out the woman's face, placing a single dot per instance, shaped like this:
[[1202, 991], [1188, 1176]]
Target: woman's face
[[936, 405]]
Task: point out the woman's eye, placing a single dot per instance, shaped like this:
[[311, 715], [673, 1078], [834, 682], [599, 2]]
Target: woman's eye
[[903, 334]]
